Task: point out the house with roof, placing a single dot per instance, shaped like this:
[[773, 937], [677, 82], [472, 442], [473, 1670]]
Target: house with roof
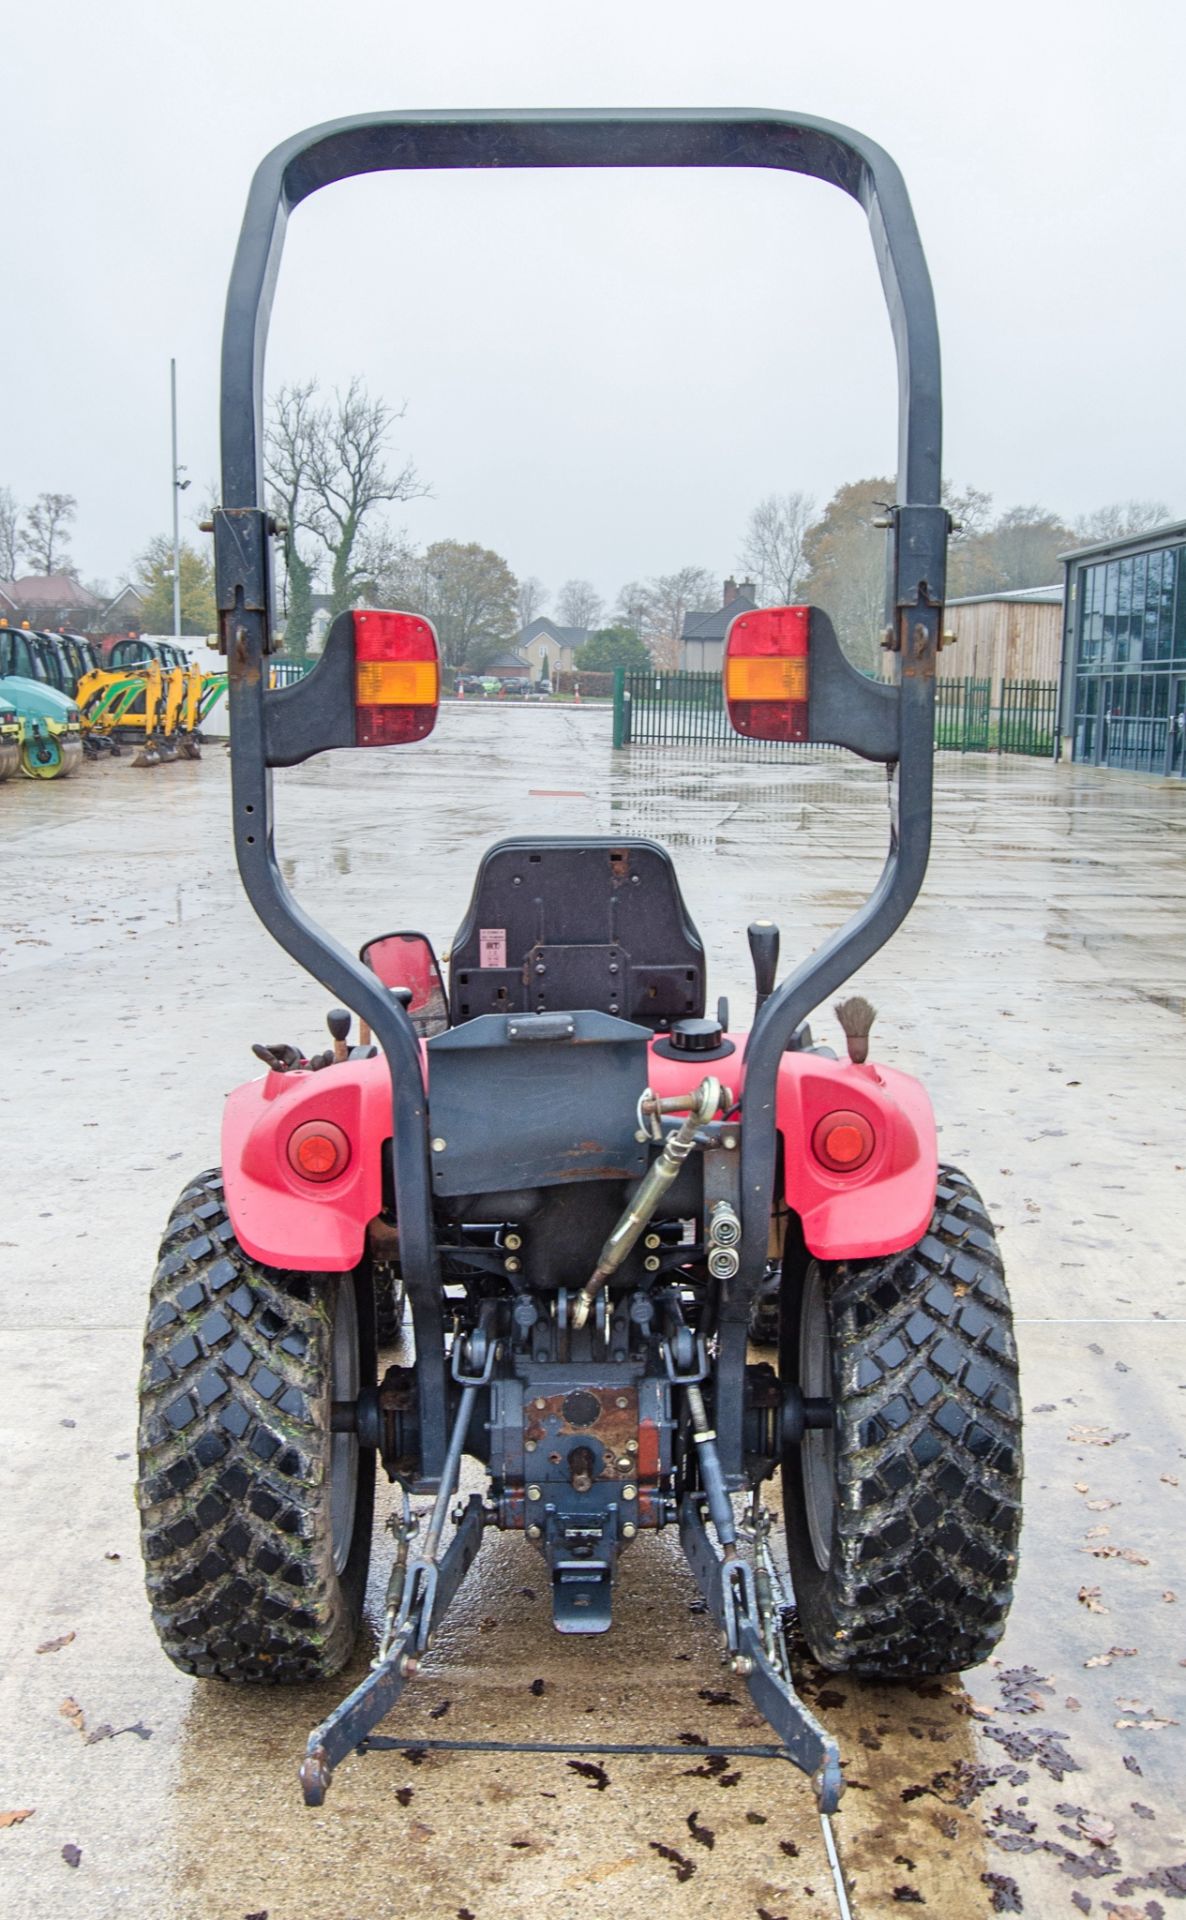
[[549, 649], [702, 641], [51, 600]]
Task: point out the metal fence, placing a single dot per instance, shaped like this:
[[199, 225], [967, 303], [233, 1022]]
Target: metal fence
[[688, 709], [1028, 717], [963, 715], [681, 709]]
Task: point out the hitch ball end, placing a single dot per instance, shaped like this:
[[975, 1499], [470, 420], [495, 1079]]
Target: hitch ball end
[[316, 1774]]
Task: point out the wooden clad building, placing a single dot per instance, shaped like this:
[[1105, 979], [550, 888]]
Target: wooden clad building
[[1004, 636]]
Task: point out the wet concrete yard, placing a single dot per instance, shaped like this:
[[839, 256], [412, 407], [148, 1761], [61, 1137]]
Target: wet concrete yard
[[1038, 989]]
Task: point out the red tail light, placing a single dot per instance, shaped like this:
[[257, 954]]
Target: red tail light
[[766, 673], [318, 1150], [397, 678], [842, 1141]]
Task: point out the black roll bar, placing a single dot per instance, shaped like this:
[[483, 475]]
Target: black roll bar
[[795, 143]]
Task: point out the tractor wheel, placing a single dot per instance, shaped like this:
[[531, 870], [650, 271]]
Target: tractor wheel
[[255, 1516], [903, 1516]]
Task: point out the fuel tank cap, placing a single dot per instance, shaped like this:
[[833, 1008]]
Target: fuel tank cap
[[705, 1039]]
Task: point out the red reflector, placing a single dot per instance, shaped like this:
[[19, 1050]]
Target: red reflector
[[392, 726], [397, 678], [318, 1150], [842, 1141], [766, 672]]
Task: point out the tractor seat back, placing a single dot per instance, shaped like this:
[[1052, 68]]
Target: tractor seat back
[[557, 925]]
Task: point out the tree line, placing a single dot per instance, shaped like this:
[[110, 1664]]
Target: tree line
[[836, 559], [332, 475]]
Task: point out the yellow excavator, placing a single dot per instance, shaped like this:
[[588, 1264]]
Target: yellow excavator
[[156, 709]]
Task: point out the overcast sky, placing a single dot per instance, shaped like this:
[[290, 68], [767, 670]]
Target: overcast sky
[[602, 373]]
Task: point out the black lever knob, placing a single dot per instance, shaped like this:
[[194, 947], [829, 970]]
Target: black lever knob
[[763, 946], [338, 1022]]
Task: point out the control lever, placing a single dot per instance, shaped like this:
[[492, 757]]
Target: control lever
[[338, 1022], [763, 940]]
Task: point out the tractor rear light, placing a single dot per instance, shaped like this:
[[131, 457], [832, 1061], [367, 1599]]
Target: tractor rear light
[[766, 676], [318, 1150], [397, 678], [842, 1141]]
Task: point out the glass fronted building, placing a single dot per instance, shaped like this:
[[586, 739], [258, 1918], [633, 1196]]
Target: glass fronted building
[[1123, 693]]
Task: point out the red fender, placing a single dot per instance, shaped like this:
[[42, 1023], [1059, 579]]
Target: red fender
[[886, 1205], [280, 1218], [284, 1220]]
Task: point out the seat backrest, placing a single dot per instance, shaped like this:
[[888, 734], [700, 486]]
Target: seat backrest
[[556, 925]]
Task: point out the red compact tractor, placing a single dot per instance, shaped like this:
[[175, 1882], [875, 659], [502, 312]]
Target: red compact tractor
[[582, 1187]]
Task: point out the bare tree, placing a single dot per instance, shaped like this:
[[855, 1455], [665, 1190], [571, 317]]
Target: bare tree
[[292, 428], [348, 478], [1119, 520], [43, 537], [533, 598], [632, 604], [846, 561], [670, 597], [579, 604], [772, 552], [10, 545]]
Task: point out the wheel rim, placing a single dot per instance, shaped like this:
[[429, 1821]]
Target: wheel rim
[[343, 1481], [817, 1450], [43, 759]]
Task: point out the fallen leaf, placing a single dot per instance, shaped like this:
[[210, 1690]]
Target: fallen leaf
[[1131, 1763], [1153, 1724], [1090, 1598], [1101, 1506], [1072, 1704], [702, 1834], [96, 1734], [1169, 1597], [1170, 1479], [1113, 1653], [681, 1867], [1006, 1895], [1095, 1828], [15, 1815], [1094, 1437], [71, 1854], [71, 1711], [1142, 1812], [597, 1776], [418, 1830], [55, 1646], [1081, 1486]]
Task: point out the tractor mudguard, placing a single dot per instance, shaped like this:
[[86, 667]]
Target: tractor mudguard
[[282, 1218], [884, 1206]]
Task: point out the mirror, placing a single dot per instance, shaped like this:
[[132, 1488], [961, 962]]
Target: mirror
[[407, 960]]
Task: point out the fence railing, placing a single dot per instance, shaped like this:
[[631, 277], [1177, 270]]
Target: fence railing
[[1028, 716], [688, 709]]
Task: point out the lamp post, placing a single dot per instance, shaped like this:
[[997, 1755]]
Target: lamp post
[[179, 486]]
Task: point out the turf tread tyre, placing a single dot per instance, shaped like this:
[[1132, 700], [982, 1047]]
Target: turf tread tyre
[[927, 1454], [234, 1450]]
